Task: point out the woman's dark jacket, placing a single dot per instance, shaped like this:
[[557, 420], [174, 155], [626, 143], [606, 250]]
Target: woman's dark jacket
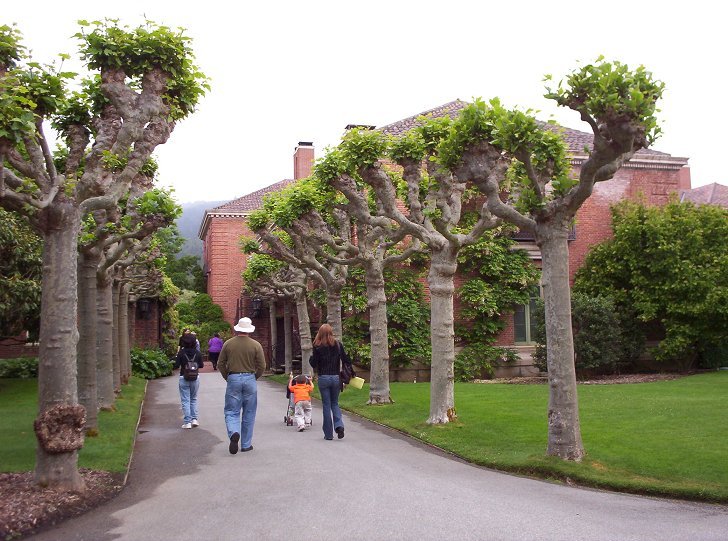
[[325, 359], [191, 352]]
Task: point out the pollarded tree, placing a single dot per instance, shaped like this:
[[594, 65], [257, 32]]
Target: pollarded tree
[[149, 83], [292, 212], [619, 105], [275, 280], [144, 214], [379, 243], [443, 214]]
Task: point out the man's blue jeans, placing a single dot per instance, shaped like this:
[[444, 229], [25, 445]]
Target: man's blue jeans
[[188, 394], [241, 395], [329, 387]]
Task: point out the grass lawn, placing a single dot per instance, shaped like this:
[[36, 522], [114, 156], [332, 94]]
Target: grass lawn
[[667, 438], [109, 451]]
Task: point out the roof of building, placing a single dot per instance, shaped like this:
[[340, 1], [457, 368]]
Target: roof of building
[[250, 202], [710, 194], [577, 140]]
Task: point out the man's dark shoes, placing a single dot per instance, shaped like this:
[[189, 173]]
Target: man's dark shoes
[[340, 432], [234, 439], [244, 449]]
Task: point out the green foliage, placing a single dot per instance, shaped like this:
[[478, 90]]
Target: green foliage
[[23, 368], [21, 263], [158, 202], [332, 165], [11, 50], [477, 361], [204, 317], [410, 146], [361, 148], [667, 265], [141, 50], [258, 220], [261, 265], [499, 278], [295, 200], [184, 272], [519, 135], [150, 363], [612, 94], [407, 316], [605, 340], [714, 356]]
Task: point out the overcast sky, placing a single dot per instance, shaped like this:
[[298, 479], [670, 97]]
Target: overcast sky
[[284, 72]]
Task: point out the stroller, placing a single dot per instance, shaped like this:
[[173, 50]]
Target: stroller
[[291, 411]]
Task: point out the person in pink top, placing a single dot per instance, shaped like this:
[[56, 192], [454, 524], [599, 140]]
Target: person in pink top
[[214, 346]]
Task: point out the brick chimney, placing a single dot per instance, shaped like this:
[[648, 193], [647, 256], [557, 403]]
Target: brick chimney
[[303, 160]]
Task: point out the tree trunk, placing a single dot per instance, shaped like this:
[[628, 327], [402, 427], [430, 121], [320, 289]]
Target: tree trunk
[[104, 343], [564, 433], [379, 392], [123, 334], [86, 365], [287, 337], [442, 386], [333, 311], [115, 358], [273, 332], [304, 332], [57, 389]]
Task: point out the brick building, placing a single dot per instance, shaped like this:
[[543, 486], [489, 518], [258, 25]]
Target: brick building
[[650, 174]]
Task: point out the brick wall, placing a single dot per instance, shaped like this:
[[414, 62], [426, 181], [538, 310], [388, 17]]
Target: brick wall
[[594, 218], [147, 330], [226, 262], [13, 348]]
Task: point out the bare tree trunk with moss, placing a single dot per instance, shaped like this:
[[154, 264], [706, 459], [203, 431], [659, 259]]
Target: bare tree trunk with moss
[[86, 355], [563, 413], [273, 323], [304, 333], [123, 332], [104, 342], [60, 423], [379, 391], [115, 358], [287, 337], [442, 288]]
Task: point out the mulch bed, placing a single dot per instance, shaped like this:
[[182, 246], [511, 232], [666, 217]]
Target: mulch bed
[[26, 508]]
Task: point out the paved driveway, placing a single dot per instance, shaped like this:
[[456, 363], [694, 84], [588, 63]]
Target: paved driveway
[[373, 484]]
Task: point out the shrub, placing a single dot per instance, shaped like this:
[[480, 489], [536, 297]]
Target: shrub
[[476, 361], [150, 363], [605, 339], [714, 356], [23, 368]]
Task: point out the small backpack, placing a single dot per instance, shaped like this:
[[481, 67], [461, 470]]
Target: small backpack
[[190, 368]]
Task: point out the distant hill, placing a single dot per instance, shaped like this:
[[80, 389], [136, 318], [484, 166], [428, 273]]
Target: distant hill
[[189, 225]]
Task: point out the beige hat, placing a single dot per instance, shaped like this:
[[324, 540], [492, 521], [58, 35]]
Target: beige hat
[[244, 325]]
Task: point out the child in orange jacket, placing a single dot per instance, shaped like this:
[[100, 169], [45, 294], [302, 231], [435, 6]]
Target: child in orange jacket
[[301, 390]]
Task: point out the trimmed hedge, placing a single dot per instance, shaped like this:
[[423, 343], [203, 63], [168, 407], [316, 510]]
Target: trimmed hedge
[[23, 368]]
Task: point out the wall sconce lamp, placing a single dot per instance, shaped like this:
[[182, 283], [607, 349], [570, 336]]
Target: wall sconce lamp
[[257, 306]]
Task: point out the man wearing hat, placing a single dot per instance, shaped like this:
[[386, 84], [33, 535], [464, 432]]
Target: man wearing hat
[[241, 363]]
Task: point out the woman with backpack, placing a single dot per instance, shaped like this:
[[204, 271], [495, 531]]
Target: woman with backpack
[[189, 361]]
